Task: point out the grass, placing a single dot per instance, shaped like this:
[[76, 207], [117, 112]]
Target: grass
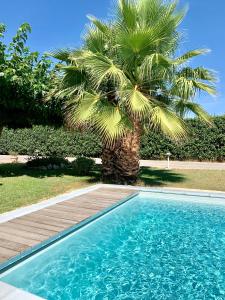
[[20, 186], [190, 179]]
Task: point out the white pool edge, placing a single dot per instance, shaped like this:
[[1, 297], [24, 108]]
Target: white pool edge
[[184, 191], [9, 292]]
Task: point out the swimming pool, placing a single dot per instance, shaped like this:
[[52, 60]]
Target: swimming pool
[[153, 246]]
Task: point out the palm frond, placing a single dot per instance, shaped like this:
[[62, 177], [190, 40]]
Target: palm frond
[[66, 93], [100, 25], [61, 54], [199, 73], [138, 43], [95, 40], [111, 122], [82, 108], [103, 68], [190, 54], [152, 62], [73, 76], [136, 102], [151, 11], [183, 88], [184, 107], [210, 89], [127, 13], [168, 122], [186, 88]]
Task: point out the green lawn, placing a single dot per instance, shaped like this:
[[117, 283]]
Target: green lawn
[[20, 186], [190, 179]]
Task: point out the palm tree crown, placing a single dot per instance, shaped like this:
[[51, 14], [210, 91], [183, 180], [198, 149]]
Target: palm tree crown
[[127, 70]]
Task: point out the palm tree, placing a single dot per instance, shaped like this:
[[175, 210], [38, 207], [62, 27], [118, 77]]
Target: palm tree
[[126, 78]]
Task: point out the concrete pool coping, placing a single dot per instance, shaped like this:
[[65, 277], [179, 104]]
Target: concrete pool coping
[[9, 292]]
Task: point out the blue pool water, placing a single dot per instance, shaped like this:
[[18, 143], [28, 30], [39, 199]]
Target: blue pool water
[[147, 248]]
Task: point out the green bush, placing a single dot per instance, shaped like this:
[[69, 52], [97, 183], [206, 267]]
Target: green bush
[[48, 162], [83, 166], [49, 141], [204, 143]]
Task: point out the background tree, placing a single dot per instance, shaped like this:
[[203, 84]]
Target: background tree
[[25, 78], [126, 78]]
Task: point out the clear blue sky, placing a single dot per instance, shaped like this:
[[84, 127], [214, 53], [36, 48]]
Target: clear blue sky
[[58, 24]]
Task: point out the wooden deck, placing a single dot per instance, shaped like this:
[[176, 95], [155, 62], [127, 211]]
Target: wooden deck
[[29, 230]]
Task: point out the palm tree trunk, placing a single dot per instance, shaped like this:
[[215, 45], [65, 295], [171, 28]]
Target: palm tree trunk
[[126, 165], [121, 161], [108, 158]]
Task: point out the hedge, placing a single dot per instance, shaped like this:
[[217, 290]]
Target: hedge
[[49, 141], [204, 143]]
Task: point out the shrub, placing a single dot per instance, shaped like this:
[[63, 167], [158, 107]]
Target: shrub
[[47, 162], [204, 143], [49, 141], [83, 166]]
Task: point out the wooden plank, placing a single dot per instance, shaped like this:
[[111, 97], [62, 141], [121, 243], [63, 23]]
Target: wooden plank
[[33, 225], [8, 252], [92, 202], [94, 197], [49, 220], [96, 206], [71, 207], [41, 231], [69, 213], [108, 195], [97, 197], [3, 258], [18, 232], [60, 217], [116, 191], [66, 216], [19, 239], [12, 245]]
